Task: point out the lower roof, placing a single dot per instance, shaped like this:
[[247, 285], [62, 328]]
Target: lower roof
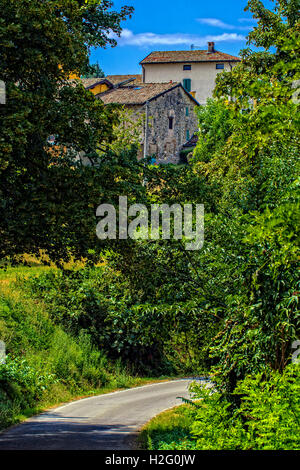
[[116, 79], [139, 94]]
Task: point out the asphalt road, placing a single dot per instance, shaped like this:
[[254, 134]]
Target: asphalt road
[[106, 422]]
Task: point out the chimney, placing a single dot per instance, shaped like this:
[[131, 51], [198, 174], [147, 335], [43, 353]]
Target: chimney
[[211, 47]]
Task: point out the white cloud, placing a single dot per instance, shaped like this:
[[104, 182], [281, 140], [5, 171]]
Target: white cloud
[[214, 22], [128, 38], [220, 24], [247, 20]]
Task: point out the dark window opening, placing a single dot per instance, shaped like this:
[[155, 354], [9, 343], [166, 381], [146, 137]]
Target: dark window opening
[[171, 119], [219, 66], [187, 67]]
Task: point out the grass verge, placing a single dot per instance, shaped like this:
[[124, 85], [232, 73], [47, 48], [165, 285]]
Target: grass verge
[[168, 430]]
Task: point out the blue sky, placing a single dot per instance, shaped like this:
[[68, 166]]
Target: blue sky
[[159, 25]]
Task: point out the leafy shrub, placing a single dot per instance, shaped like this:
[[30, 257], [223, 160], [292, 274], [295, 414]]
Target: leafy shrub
[[267, 418], [151, 337], [76, 362], [21, 386], [19, 379], [270, 409]]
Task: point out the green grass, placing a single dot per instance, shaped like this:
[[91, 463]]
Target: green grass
[[168, 429]]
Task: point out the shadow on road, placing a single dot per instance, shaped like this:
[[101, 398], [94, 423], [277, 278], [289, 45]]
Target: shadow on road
[[65, 435]]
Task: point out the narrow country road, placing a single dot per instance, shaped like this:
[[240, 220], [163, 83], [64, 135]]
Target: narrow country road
[[105, 422]]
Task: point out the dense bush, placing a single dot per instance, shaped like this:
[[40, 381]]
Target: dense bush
[[161, 337], [267, 417], [19, 381]]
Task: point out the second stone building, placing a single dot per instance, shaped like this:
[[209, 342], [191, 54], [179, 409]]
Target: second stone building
[[168, 110]]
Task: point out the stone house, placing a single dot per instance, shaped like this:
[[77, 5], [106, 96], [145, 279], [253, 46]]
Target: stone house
[[172, 83], [169, 115], [195, 69]]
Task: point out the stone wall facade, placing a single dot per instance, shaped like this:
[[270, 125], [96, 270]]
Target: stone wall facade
[[174, 109]]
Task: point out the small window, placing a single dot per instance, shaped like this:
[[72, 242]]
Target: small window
[[188, 135], [187, 67], [171, 119], [219, 66], [187, 84], [187, 111]]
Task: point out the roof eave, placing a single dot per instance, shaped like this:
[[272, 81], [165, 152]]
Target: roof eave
[[191, 61], [178, 85], [142, 103], [107, 82]]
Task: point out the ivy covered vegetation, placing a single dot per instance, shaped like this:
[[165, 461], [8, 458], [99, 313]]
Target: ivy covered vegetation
[[125, 308]]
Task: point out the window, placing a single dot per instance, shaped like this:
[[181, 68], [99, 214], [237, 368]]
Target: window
[[188, 135], [187, 67], [171, 119], [219, 66], [187, 84], [187, 112]]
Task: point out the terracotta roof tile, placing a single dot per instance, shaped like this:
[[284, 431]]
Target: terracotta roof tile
[[160, 57], [89, 82], [138, 95], [116, 79]]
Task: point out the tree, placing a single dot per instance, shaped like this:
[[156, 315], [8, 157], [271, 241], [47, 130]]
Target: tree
[[257, 171], [93, 71], [214, 129], [42, 43], [128, 131]]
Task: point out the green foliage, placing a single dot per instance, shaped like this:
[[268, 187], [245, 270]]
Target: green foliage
[[270, 409], [152, 337], [127, 131], [45, 364], [273, 24], [231, 307], [267, 417], [42, 45], [92, 71], [18, 380], [215, 128], [255, 169]]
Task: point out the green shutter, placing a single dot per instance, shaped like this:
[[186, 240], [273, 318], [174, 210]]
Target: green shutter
[[187, 85], [187, 135], [187, 111]]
